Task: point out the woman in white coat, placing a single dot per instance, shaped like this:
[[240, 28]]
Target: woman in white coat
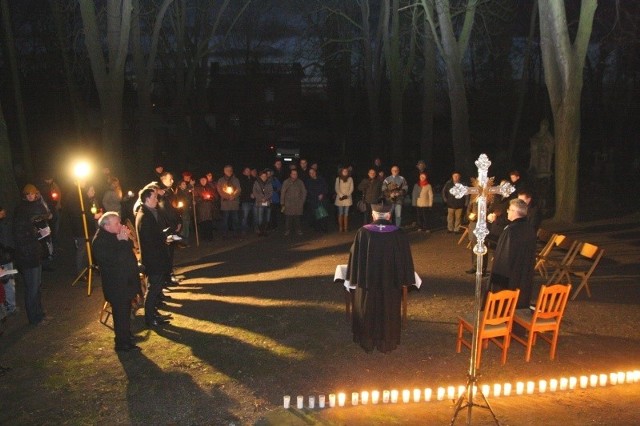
[[344, 199]]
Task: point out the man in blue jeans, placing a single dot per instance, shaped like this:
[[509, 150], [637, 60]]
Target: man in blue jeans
[[247, 200], [394, 188]]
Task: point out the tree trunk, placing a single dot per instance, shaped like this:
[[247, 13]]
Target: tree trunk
[[563, 67], [108, 73], [75, 98], [17, 91], [8, 186], [429, 93]]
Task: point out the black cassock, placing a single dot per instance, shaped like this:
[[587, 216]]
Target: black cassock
[[380, 263], [514, 261]]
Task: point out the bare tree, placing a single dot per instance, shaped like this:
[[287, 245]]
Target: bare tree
[[452, 49], [108, 72], [563, 63]]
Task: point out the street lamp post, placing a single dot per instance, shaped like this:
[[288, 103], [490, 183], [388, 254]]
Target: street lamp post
[[80, 171]]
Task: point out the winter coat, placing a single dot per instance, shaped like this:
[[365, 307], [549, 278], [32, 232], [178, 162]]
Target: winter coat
[[344, 190], [422, 196], [449, 199], [315, 188], [28, 253], [229, 201], [371, 190], [395, 188], [262, 192], [293, 196], [205, 197]]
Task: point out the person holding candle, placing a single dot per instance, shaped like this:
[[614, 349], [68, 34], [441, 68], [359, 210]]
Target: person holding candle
[[380, 263], [228, 188]]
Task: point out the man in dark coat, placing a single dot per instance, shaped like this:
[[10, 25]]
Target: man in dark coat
[[514, 260], [113, 251], [154, 253], [380, 263]]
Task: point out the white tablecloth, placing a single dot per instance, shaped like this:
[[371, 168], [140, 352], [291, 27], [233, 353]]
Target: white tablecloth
[[341, 273]]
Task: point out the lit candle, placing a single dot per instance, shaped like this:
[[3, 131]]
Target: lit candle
[[584, 381], [417, 394], [406, 395], [354, 398], [385, 396], [427, 394], [286, 400], [394, 396], [497, 390], [332, 400], [451, 392], [486, 390], [321, 401], [620, 377], [440, 394], [312, 402], [564, 383], [375, 396], [593, 380], [613, 378], [603, 380], [342, 397], [542, 386], [364, 397], [507, 389], [519, 388], [461, 390], [636, 376], [530, 387], [573, 382], [300, 402], [629, 377], [553, 385], [228, 190]]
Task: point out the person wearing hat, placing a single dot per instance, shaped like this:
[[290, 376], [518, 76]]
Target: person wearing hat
[[27, 232], [380, 263]]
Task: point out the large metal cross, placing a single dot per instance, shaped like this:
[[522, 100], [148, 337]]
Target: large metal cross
[[482, 186]]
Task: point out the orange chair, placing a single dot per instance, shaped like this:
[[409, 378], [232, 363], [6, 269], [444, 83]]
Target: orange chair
[[547, 317], [581, 264], [543, 255], [495, 321]]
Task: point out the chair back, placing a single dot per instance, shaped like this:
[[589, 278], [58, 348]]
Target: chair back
[[499, 308], [552, 302]]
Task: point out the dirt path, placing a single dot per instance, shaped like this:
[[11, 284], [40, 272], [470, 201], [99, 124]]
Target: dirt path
[[256, 319]]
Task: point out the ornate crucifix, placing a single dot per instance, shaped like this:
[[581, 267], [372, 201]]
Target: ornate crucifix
[[484, 190]]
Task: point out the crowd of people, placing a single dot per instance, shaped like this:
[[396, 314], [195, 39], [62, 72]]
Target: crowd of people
[[167, 214]]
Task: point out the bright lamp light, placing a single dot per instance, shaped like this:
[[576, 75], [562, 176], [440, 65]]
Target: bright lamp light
[[81, 169]]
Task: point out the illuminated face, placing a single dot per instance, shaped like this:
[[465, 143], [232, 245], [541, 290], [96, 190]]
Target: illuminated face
[[303, 164], [167, 180], [455, 177], [31, 196], [344, 172], [203, 181], [152, 201], [294, 174], [524, 198], [423, 177], [395, 170], [228, 171], [371, 174], [91, 192], [312, 173], [113, 225]]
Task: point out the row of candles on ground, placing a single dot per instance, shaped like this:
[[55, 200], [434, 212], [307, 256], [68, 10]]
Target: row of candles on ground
[[452, 392]]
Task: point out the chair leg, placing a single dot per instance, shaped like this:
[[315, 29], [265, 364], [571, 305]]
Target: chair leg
[[505, 348], [347, 304], [584, 284], [554, 344], [530, 343], [459, 339]]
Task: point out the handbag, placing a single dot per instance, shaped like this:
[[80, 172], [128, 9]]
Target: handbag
[[362, 206], [321, 212]]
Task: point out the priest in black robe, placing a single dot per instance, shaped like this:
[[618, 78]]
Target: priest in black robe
[[515, 255], [380, 263]]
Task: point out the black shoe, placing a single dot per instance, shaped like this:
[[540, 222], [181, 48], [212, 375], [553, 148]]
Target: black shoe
[[156, 322], [162, 317], [165, 297], [128, 348]]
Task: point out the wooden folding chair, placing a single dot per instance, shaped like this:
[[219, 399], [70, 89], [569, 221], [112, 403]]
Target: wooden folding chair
[[581, 264], [543, 255], [464, 235], [547, 317], [559, 256], [496, 321]]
